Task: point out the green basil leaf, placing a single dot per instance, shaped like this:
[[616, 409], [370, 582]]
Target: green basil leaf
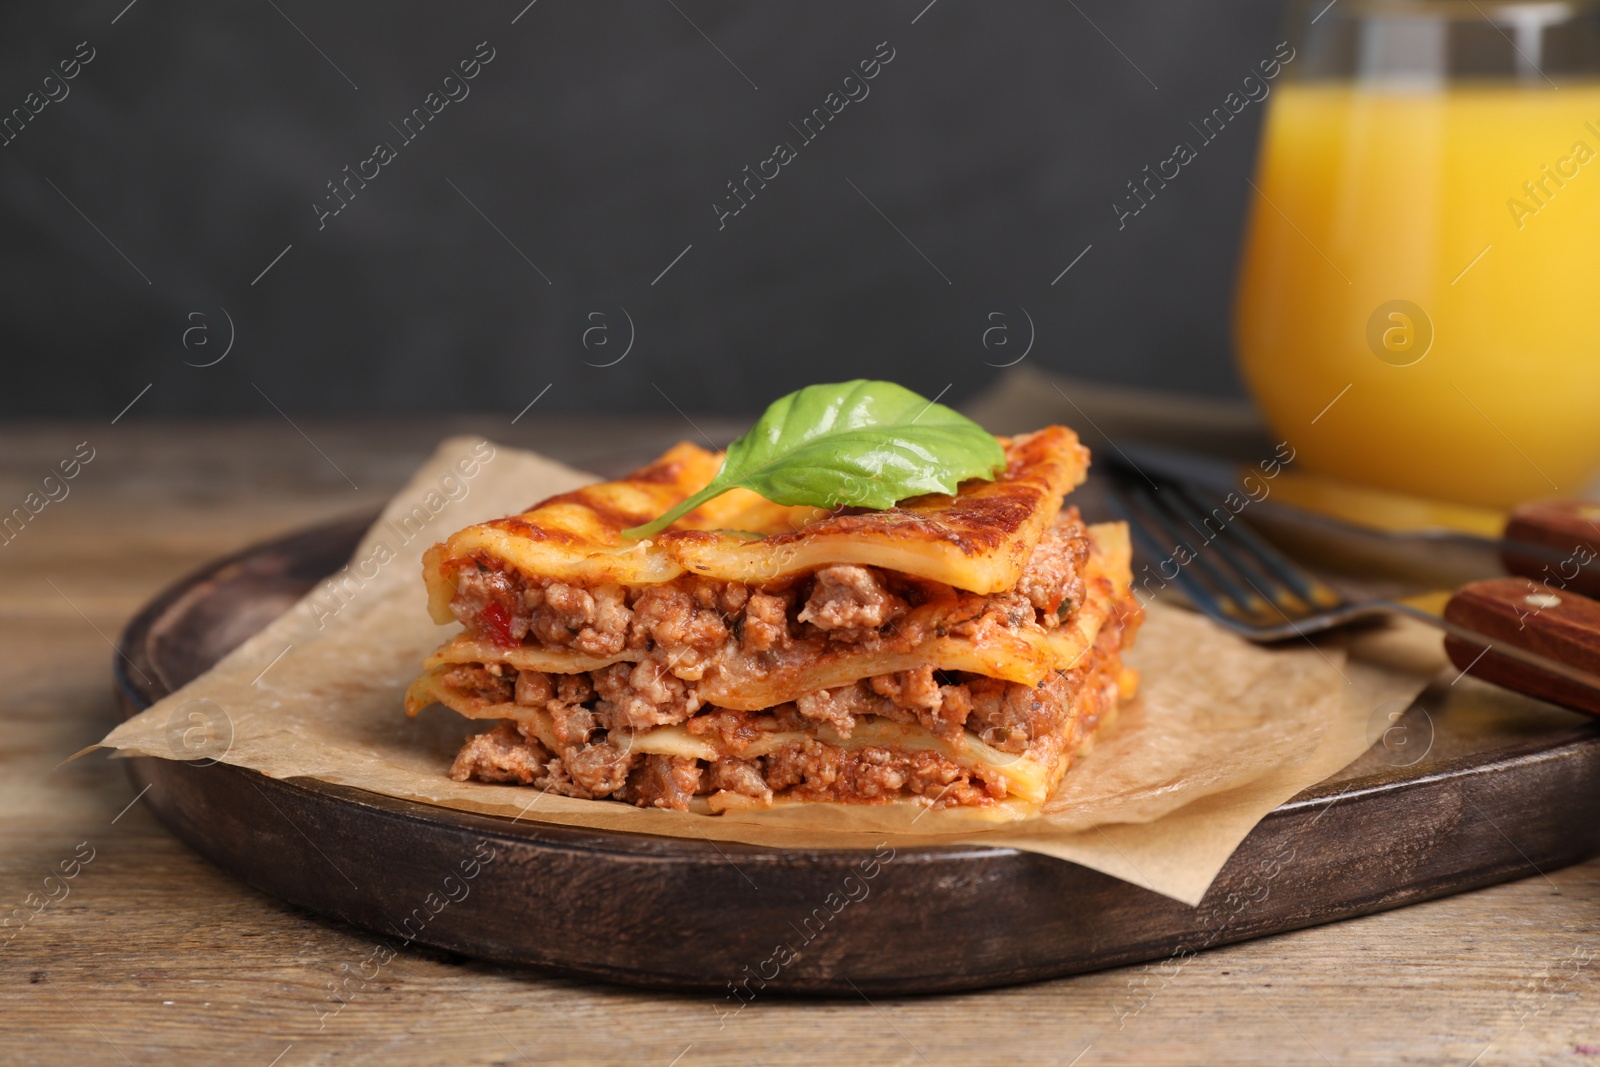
[[853, 444]]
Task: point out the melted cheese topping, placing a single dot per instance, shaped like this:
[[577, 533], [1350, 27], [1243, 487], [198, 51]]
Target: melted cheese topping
[[979, 539]]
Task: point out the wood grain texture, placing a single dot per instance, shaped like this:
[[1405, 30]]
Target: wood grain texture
[[157, 957], [1570, 528], [1557, 624]]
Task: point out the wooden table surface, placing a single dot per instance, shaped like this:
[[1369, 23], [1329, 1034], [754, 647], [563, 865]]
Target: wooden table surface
[[152, 956]]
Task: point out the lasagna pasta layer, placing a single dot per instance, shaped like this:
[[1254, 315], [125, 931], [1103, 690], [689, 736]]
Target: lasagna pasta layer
[[977, 540], [951, 632], [743, 760]]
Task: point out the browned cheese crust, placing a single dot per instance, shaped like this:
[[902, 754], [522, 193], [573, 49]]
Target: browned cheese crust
[[977, 540]]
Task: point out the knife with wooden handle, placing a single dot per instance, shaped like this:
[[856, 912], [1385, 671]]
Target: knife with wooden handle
[[1553, 623], [1568, 527], [1526, 635]]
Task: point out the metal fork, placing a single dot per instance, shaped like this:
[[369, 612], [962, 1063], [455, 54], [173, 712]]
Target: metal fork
[[1233, 575]]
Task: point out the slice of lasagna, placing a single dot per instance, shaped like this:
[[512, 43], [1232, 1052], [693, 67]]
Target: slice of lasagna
[[953, 650]]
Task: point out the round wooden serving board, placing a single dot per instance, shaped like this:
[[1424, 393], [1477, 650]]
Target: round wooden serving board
[[1498, 797]]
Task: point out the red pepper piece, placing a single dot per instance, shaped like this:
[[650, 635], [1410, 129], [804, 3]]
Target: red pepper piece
[[498, 619]]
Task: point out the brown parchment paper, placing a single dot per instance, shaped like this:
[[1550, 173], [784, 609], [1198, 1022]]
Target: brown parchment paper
[[1222, 732]]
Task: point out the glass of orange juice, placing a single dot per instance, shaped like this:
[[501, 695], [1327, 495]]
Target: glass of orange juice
[[1418, 304]]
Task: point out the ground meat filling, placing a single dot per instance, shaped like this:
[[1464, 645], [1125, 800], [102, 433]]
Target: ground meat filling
[[811, 770], [1053, 577], [1006, 715], [850, 602], [501, 755], [485, 594], [637, 696], [693, 616], [673, 633], [593, 718], [766, 623], [808, 770], [743, 777], [664, 782], [490, 683]]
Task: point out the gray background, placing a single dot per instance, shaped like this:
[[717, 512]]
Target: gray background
[[596, 143]]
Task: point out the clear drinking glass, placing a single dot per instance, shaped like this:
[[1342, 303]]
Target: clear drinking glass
[[1418, 304]]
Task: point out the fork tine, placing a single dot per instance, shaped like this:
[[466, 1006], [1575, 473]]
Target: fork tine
[[1303, 605], [1279, 599], [1308, 585], [1236, 601], [1207, 600], [1272, 563]]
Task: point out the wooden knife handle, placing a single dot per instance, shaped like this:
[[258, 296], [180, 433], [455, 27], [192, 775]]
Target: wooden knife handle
[[1568, 527], [1555, 623]]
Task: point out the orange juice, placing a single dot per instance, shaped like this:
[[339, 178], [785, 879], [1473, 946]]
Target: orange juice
[[1419, 301]]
